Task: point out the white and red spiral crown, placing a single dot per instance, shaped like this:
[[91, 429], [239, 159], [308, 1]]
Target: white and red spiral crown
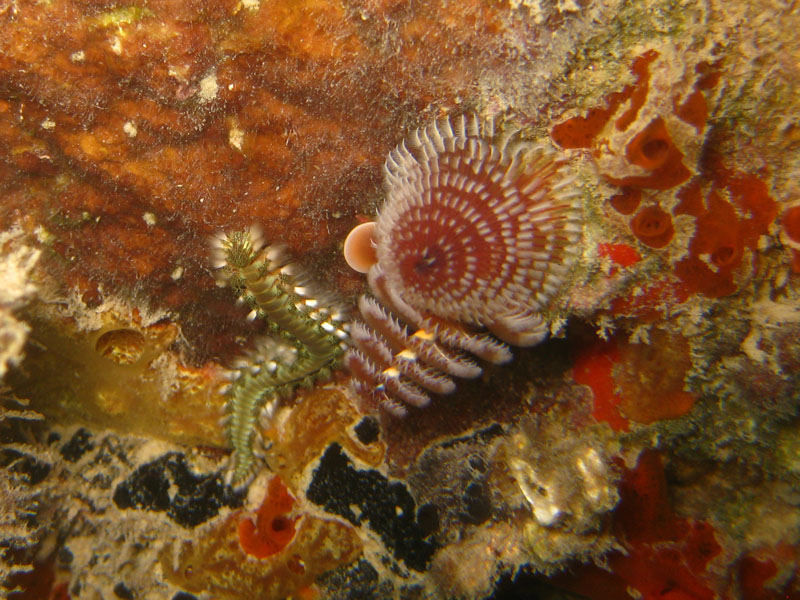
[[478, 232]]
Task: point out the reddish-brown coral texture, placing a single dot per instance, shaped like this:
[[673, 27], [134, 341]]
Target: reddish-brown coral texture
[[130, 133]]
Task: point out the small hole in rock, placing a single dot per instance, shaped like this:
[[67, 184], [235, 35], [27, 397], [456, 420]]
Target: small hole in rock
[[723, 256], [280, 524], [655, 150], [122, 346]]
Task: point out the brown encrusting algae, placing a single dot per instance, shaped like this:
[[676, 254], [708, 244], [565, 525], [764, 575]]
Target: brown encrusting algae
[[583, 261]]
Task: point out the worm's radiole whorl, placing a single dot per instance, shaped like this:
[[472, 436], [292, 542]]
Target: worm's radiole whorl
[[479, 231]]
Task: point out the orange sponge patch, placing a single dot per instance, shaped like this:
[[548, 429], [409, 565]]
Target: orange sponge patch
[[653, 227], [273, 528]]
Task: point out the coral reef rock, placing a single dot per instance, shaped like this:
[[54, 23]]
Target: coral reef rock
[[637, 438]]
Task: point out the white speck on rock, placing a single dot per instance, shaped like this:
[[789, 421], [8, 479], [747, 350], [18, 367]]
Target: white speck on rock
[[605, 327], [567, 6], [534, 7], [208, 88], [149, 218], [130, 129], [177, 273], [750, 347], [236, 138]]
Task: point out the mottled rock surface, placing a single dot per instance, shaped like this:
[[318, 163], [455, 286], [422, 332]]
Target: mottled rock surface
[[648, 449]]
